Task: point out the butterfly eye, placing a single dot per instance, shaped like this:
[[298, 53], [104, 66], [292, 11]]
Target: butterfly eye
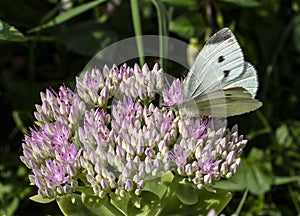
[[221, 59]]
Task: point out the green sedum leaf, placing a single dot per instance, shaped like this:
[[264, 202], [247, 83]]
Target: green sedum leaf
[[92, 202], [145, 204], [206, 201], [72, 205], [38, 198], [159, 186], [120, 203], [186, 193]]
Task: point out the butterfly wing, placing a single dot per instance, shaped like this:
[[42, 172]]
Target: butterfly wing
[[221, 103], [220, 83], [220, 61], [247, 80]]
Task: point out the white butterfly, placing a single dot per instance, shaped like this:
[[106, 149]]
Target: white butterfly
[[220, 83]]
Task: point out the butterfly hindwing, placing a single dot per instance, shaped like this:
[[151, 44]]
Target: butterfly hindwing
[[225, 103]]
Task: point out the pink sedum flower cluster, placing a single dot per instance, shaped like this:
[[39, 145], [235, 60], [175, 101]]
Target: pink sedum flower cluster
[[117, 130]]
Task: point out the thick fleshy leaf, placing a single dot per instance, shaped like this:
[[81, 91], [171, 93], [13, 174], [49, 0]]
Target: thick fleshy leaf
[[72, 205], [145, 204], [120, 202], [213, 200], [38, 198], [10, 33], [231, 184], [148, 202], [159, 186], [207, 200], [186, 193], [92, 201]]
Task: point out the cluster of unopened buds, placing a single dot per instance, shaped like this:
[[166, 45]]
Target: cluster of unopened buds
[[120, 128]]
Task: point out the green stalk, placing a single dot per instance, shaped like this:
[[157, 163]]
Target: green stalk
[[136, 19], [239, 208], [162, 31]]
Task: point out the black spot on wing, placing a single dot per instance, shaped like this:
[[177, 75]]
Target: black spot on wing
[[221, 59], [226, 73], [220, 36]]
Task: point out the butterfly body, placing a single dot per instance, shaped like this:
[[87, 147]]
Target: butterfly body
[[220, 83]]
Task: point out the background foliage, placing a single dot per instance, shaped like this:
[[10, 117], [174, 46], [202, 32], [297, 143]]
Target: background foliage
[[46, 43]]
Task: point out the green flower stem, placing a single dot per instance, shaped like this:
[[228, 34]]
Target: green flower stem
[[239, 208], [162, 31], [136, 19]]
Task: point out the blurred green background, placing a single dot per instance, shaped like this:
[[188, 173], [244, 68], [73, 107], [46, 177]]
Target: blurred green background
[[47, 43]]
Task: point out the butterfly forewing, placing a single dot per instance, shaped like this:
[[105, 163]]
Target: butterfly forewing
[[220, 60], [247, 80], [220, 83]]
